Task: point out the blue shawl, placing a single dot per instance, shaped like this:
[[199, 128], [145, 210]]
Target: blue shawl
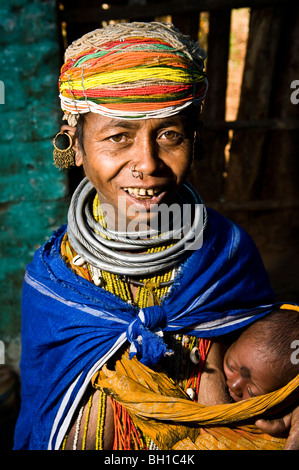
[[70, 327]]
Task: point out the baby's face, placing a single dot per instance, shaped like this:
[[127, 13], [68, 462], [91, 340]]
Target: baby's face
[[248, 373]]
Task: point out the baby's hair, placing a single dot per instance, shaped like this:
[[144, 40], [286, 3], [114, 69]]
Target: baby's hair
[[274, 335]]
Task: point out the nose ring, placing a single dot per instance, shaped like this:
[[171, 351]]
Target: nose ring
[[136, 173]]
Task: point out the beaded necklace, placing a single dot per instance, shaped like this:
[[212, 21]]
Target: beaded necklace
[[149, 291], [185, 369]]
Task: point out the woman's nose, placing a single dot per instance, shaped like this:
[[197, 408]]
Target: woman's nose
[[147, 157]]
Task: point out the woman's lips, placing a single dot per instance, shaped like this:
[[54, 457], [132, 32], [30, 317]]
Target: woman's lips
[[142, 192], [144, 196]]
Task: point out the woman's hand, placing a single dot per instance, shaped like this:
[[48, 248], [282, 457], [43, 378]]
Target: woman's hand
[[288, 425]]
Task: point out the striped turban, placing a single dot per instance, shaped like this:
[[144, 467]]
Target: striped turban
[[132, 70]]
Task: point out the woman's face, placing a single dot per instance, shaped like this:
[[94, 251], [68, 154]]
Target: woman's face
[[159, 148]]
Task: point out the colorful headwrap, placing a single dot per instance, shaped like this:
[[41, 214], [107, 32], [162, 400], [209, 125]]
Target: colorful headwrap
[[132, 70]]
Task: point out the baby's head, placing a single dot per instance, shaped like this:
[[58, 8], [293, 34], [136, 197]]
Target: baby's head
[[261, 360]]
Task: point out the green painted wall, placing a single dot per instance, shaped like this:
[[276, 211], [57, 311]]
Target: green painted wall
[[33, 193]]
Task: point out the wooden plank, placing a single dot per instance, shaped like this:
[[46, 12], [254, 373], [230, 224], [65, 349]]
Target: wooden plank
[[138, 12], [217, 64], [281, 163], [254, 206], [207, 176], [187, 23], [265, 124], [245, 171], [264, 160]]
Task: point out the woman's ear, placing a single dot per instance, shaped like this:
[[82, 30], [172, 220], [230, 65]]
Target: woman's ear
[[71, 130], [78, 151]]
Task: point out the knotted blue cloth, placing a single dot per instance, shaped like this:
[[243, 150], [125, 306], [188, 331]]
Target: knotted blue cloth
[[70, 327]]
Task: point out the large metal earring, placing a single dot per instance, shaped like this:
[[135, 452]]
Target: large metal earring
[[63, 158]]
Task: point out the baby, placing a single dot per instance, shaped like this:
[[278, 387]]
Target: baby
[[264, 357]]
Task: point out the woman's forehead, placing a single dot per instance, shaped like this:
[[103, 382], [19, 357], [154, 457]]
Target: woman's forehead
[[104, 123]]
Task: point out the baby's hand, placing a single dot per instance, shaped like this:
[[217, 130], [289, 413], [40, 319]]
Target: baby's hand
[[288, 425]]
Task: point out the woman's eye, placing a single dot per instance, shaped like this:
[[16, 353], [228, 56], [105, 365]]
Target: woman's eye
[[170, 135], [118, 138]]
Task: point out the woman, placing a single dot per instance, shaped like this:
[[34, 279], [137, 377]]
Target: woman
[[143, 275]]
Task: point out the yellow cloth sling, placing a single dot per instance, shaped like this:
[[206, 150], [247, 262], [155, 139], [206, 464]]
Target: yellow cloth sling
[[164, 413]]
